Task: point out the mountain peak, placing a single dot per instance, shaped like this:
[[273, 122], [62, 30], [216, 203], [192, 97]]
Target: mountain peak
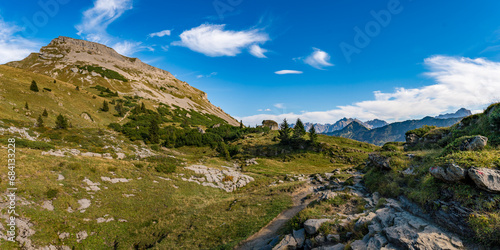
[[461, 113], [84, 63]]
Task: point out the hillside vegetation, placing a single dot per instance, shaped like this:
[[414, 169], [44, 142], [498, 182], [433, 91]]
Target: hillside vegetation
[[441, 170]]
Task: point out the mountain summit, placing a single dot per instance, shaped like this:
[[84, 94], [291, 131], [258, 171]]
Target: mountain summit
[[85, 63]]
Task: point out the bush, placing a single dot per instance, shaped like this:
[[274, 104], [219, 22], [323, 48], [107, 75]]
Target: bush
[[165, 168], [33, 86], [420, 132], [52, 193], [22, 143], [486, 228]]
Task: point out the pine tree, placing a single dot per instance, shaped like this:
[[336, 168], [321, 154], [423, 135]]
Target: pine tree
[[39, 121], [61, 122], [313, 137], [33, 86], [45, 113], [299, 130], [105, 106], [154, 136], [143, 108], [26, 106], [119, 109], [241, 123], [285, 132], [77, 88]]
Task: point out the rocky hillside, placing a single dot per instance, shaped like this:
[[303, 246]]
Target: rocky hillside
[[87, 64]]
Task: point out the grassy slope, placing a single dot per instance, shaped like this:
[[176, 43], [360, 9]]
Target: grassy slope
[[425, 190]]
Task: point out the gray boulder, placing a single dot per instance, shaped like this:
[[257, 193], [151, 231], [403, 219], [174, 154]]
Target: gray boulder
[[474, 144], [286, 243], [335, 247], [358, 245], [312, 225], [487, 179], [300, 237], [453, 173], [364, 221], [379, 161]]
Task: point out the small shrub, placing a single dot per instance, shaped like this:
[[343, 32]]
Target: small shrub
[[486, 228], [138, 165], [165, 168], [52, 193], [74, 166], [112, 169]]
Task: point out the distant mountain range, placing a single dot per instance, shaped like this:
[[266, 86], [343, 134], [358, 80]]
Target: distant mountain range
[[379, 132], [392, 132], [342, 123], [459, 114]]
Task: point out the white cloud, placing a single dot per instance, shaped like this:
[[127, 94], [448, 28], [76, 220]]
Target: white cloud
[[213, 40], [459, 82], [161, 33], [165, 48], [264, 110], [279, 105], [95, 22], [97, 19], [286, 71], [318, 59], [257, 51], [13, 47], [207, 76], [128, 48]]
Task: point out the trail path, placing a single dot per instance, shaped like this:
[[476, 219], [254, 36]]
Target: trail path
[[260, 239]]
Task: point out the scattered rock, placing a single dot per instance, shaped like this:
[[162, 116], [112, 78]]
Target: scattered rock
[[379, 161], [48, 205], [115, 180], [227, 179], [252, 161], [453, 173], [120, 156], [84, 204], [485, 178], [60, 177], [312, 225], [474, 144], [63, 236], [300, 237], [287, 243], [81, 236]]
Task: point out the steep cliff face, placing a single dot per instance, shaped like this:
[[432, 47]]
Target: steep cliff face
[[85, 63]]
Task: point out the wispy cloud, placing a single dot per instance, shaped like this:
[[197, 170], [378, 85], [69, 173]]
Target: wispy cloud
[[213, 40], [264, 110], [128, 48], [257, 51], [459, 82], [207, 76], [318, 59], [96, 20], [161, 33], [13, 47], [279, 105], [286, 72]]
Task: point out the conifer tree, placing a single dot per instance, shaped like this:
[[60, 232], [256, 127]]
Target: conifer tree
[[143, 108], [105, 106], [119, 109], [285, 132], [33, 86], [39, 121], [26, 106], [154, 136], [313, 137], [299, 130], [241, 123], [61, 122], [45, 113]]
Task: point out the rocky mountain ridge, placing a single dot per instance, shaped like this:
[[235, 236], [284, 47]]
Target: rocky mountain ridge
[[85, 63]]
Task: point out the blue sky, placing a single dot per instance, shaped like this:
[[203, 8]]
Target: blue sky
[[317, 60]]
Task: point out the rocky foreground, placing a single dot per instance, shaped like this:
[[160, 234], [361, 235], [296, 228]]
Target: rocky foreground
[[384, 224]]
